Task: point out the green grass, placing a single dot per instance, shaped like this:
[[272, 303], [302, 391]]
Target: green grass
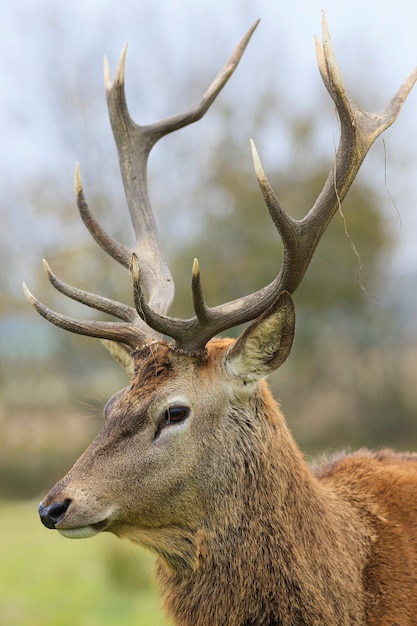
[[46, 580]]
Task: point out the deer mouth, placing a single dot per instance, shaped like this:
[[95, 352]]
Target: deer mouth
[[83, 532], [55, 516]]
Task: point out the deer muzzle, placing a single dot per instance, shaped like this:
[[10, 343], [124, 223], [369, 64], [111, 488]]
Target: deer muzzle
[[54, 516]]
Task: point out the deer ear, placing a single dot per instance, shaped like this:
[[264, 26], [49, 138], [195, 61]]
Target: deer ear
[[121, 354], [266, 343]]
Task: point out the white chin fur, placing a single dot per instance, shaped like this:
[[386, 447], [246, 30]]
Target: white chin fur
[[78, 533]]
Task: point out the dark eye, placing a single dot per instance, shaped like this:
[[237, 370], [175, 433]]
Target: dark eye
[[172, 415]]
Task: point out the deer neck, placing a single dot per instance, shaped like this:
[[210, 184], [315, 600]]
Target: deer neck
[[278, 549]]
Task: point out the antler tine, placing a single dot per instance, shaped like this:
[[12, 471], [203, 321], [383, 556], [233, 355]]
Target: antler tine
[[100, 303], [134, 144], [118, 251], [122, 332]]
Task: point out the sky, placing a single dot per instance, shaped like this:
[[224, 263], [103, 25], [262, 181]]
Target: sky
[[45, 44]]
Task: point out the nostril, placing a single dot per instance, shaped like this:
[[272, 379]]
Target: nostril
[[51, 515]]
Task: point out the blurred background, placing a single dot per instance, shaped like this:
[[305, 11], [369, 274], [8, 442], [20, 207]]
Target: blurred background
[[352, 377]]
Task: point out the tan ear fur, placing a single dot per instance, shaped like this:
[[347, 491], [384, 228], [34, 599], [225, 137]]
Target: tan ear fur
[[121, 354], [266, 343]]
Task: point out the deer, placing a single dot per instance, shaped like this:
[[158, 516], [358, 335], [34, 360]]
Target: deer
[[195, 461]]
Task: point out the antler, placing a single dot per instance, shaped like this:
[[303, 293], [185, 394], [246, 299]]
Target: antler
[[147, 265]]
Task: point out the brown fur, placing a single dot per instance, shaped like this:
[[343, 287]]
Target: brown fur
[[245, 533]]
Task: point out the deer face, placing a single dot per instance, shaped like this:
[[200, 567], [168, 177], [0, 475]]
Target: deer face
[[149, 468], [172, 438]]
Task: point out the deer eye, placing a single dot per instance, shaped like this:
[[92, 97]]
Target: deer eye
[[172, 415]]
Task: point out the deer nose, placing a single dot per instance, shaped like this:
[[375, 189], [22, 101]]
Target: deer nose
[[51, 515]]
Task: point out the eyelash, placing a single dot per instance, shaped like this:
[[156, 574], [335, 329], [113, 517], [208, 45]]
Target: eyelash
[[172, 415]]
